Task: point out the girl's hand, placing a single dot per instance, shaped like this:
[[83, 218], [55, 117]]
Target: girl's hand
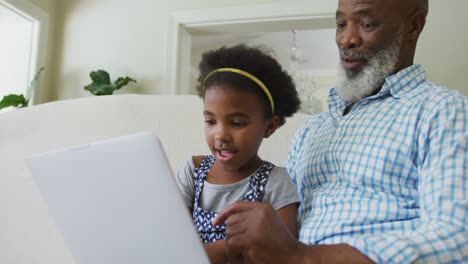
[[255, 233]]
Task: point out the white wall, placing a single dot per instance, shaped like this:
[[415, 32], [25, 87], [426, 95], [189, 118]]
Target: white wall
[[130, 38], [442, 45], [122, 37]]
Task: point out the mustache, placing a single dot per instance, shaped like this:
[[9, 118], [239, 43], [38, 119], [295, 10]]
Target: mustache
[[353, 53]]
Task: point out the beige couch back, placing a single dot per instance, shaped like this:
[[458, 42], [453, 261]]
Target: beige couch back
[[27, 231]]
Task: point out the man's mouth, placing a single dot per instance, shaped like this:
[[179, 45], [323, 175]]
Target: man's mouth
[[352, 60], [350, 63]]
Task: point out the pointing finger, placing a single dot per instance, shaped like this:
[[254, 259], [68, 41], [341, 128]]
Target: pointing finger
[[235, 208]]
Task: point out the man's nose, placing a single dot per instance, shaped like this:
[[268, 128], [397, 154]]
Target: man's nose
[[349, 37]]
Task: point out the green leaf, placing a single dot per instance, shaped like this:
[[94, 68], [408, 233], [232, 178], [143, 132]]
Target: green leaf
[[123, 81], [13, 100], [33, 84], [100, 89], [101, 84], [100, 76]]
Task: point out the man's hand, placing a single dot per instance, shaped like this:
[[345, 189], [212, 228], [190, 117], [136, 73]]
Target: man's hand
[[216, 251], [256, 234]]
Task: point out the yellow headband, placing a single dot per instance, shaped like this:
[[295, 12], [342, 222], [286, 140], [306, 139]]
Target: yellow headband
[[248, 75]]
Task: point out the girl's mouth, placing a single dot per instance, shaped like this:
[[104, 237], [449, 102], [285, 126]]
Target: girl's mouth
[[225, 155]]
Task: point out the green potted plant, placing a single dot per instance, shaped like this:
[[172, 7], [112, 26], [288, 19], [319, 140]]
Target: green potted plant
[[102, 85], [19, 100]]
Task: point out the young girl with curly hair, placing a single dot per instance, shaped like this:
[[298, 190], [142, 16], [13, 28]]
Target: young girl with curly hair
[[247, 96]]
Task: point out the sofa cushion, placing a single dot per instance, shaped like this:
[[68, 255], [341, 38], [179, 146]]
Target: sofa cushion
[[27, 232]]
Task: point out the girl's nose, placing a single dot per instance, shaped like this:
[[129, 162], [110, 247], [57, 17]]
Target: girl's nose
[[222, 135]]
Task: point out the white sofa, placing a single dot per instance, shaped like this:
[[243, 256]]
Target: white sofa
[[27, 231]]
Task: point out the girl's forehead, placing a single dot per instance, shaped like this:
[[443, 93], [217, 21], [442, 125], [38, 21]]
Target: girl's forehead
[[223, 92], [224, 97]]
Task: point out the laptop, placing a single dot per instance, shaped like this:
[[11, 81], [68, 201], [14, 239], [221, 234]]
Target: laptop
[[116, 201]]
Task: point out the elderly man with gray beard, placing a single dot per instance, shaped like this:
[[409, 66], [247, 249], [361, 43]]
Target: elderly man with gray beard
[[382, 176]]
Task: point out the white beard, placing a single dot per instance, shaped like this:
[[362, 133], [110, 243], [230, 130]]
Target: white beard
[[354, 86]]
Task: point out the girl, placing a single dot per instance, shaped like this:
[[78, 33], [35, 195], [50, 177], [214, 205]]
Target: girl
[[246, 97]]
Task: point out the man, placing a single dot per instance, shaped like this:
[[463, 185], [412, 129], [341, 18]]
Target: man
[[382, 176]]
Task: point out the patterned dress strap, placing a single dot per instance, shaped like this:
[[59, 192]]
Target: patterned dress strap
[[258, 182], [200, 174], [203, 218]]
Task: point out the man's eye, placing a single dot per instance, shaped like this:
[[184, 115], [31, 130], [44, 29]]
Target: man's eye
[[366, 26], [340, 26]]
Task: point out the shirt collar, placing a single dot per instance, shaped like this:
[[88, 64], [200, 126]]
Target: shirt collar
[[403, 81], [336, 105], [396, 85]]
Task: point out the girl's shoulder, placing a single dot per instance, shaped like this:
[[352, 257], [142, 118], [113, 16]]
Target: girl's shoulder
[[197, 160], [279, 174]]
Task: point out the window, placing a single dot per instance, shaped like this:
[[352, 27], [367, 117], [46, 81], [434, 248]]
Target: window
[[22, 49]]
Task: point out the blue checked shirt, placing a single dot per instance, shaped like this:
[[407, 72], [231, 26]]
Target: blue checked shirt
[[390, 178]]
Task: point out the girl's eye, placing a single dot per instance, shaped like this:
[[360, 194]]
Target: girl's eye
[[239, 124], [210, 122]]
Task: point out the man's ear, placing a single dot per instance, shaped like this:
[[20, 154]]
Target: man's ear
[[272, 125], [415, 24]]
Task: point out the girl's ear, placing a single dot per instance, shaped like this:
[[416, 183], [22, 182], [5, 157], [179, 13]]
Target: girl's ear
[[272, 125]]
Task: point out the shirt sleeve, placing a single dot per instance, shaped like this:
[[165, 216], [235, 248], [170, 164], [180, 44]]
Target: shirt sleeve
[[185, 182], [442, 236], [296, 142], [280, 190]]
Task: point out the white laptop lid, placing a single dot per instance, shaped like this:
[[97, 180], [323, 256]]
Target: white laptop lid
[[116, 201]]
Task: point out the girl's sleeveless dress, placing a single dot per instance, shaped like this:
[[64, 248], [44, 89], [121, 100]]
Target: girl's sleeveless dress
[[203, 218]]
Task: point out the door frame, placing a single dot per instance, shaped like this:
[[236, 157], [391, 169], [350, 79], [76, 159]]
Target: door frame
[[296, 15]]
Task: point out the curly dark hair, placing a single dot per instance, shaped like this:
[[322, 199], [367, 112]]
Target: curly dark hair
[[256, 61]]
